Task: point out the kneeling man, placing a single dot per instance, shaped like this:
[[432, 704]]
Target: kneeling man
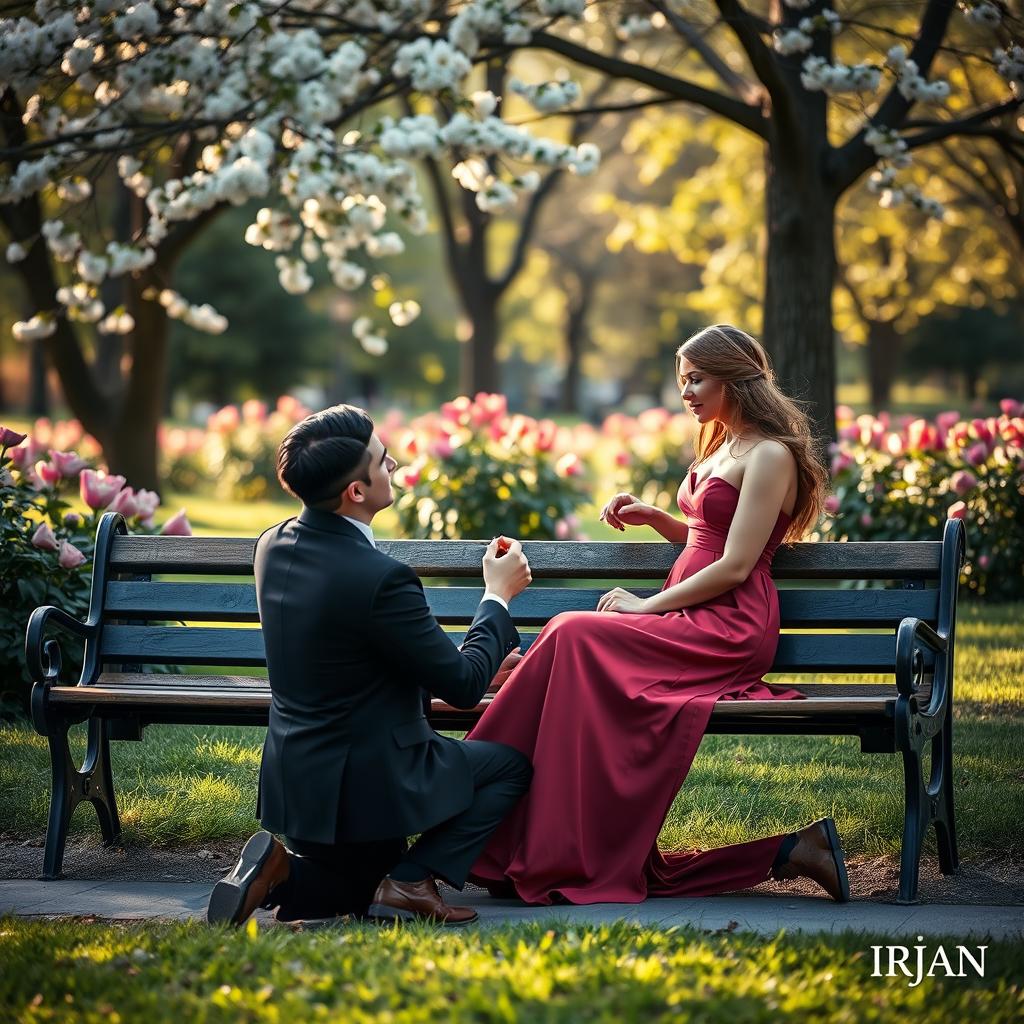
[[351, 766]]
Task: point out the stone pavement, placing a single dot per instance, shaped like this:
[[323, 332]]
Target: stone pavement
[[761, 914]]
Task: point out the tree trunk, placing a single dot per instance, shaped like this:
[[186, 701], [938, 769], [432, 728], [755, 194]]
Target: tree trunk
[[479, 370], [38, 396], [577, 309], [800, 272], [884, 348]]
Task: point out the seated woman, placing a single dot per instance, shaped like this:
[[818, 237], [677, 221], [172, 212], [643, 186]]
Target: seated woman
[[611, 705]]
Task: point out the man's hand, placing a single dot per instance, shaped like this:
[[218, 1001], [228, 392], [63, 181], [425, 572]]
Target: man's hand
[[506, 574], [505, 670], [619, 600]]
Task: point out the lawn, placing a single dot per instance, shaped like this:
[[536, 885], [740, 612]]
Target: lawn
[[190, 784], [74, 971]]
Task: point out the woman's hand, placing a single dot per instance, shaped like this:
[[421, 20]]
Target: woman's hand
[[628, 510], [619, 600]]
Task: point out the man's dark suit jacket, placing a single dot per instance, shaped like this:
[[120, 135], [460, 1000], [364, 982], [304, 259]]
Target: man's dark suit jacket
[[351, 646]]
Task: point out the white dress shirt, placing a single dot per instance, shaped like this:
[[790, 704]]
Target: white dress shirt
[[367, 532]]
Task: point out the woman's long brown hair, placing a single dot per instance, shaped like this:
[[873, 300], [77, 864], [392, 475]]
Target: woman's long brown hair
[[732, 356]]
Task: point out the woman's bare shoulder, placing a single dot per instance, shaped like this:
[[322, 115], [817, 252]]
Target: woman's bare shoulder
[[770, 456]]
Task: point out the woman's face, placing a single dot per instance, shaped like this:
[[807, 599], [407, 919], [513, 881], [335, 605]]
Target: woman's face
[[704, 395]]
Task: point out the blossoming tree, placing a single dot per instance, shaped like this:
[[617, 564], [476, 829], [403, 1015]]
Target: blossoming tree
[[201, 106], [838, 93]]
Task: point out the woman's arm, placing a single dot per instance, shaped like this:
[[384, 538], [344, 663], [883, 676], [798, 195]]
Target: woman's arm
[[766, 481]]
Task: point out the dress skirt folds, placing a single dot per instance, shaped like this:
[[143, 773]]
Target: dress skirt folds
[[611, 708]]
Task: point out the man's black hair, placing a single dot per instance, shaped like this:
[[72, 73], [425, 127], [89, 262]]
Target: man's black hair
[[324, 453]]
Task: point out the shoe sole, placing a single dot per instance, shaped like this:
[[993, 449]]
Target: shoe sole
[[228, 896], [836, 850], [382, 913]]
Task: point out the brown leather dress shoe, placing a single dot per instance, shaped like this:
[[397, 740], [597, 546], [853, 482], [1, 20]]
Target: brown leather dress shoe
[[818, 856], [262, 865], [415, 901]]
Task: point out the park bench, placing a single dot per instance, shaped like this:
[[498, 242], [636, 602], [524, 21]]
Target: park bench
[[149, 593]]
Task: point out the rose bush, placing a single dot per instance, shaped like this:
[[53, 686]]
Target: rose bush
[[902, 480], [474, 470], [47, 545]]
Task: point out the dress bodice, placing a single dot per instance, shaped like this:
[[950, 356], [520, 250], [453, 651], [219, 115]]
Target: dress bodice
[[709, 507]]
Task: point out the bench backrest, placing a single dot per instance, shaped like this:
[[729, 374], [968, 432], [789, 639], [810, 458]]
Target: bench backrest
[[146, 589]]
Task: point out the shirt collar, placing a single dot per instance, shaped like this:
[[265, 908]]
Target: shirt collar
[[363, 528]]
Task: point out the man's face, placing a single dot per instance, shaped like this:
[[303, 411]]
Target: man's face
[[378, 494]]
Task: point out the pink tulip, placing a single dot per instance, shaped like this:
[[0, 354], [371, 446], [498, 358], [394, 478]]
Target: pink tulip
[[976, 454], [177, 526], [48, 473], [70, 464], [1011, 407], [407, 476], [146, 503], [623, 458], [225, 420], [72, 520], [441, 448], [956, 510], [44, 538], [983, 561], [865, 519], [945, 421], [25, 457], [569, 465], [840, 462], [70, 557], [98, 488], [125, 503], [844, 414], [962, 481], [981, 430], [547, 431], [831, 504], [254, 411], [562, 531], [10, 438], [849, 433]]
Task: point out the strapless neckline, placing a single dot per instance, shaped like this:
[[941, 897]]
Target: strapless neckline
[[694, 486]]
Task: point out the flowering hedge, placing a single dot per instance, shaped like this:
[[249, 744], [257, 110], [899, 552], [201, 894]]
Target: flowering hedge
[[475, 471], [47, 546], [902, 481]]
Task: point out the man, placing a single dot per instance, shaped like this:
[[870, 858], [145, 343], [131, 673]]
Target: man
[[351, 767]]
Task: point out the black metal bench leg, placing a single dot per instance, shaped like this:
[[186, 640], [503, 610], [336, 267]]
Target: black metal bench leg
[[70, 786], [915, 822], [942, 786]]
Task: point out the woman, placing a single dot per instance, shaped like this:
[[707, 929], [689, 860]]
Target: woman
[[611, 705]]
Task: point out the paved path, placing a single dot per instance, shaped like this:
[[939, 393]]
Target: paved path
[[760, 914]]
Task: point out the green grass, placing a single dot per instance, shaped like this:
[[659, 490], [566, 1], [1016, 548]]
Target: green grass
[[72, 971], [188, 783]]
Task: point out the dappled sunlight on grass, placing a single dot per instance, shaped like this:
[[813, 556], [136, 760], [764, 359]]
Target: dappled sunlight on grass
[[175, 972]]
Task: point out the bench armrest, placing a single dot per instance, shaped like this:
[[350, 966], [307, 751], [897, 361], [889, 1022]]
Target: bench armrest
[[43, 656], [912, 638]]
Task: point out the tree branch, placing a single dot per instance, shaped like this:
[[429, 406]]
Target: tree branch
[[743, 114], [978, 123], [761, 58]]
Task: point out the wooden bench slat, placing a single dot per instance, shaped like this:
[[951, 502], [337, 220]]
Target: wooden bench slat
[[548, 559], [157, 682], [178, 645], [202, 645], [250, 699], [236, 602], [220, 602]]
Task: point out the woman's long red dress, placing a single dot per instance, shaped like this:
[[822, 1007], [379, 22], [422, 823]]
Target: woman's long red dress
[[611, 708]]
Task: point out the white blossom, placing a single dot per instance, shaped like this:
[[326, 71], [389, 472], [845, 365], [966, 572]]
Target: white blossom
[[293, 275], [16, 252], [547, 97], [819, 75], [39, 326], [985, 14], [117, 322], [403, 313], [791, 40]]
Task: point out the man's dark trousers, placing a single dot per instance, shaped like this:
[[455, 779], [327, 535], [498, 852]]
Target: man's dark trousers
[[327, 880]]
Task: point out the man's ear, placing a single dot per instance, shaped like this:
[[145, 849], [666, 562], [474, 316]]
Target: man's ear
[[354, 492]]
